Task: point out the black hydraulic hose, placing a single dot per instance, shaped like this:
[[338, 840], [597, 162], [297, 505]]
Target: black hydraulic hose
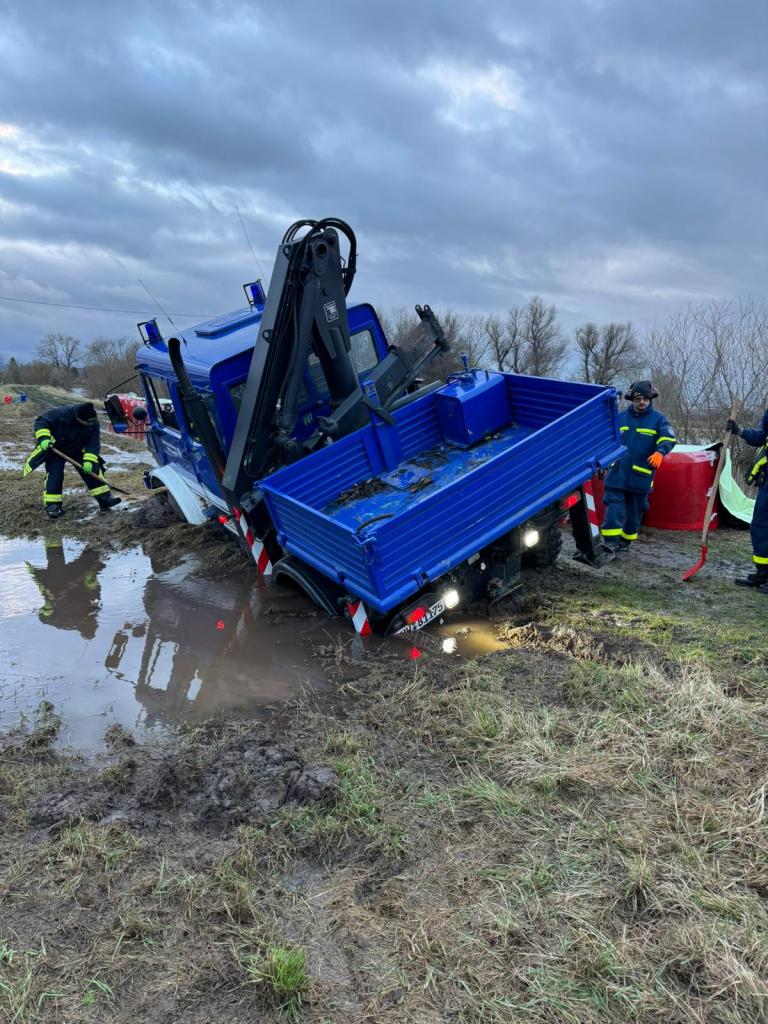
[[194, 407]]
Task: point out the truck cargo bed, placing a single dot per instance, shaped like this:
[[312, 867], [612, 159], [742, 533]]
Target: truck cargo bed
[[390, 508]]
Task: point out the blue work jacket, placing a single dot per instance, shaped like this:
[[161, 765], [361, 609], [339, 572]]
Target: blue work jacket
[[642, 433], [758, 438]]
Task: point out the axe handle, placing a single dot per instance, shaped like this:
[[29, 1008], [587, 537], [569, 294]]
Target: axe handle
[[95, 476]]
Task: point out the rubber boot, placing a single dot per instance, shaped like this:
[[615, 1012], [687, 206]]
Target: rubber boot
[[54, 511], [753, 579], [108, 501], [624, 545]]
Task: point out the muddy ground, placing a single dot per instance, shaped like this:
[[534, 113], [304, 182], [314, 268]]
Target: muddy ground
[[571, 829]]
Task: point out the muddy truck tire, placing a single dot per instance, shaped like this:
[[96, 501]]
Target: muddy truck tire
[[159, 511], [546, 551]]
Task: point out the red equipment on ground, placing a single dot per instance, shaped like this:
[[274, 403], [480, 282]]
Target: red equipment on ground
[[681, 488], [131, 425]]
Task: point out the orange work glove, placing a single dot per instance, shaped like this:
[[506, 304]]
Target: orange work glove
[[655, 459]]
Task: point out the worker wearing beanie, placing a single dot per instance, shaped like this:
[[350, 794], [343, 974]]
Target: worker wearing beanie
[[648, 437], [757, 476], [74, 431]]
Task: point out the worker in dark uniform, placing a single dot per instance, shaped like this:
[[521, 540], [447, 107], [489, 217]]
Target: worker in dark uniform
[[70, 590], [74, 430], [648, 438], [757, 477]]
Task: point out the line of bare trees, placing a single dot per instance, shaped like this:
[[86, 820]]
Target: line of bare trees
[[63, 361], [700, 360]]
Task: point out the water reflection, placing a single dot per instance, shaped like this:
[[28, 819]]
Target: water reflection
[[70, 591], [144, 647], [207, 645]]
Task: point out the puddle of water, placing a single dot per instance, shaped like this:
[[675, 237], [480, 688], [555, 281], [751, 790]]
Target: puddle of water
[[10, 457], [106, 639]]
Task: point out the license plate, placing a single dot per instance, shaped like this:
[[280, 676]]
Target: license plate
[[433, 612]]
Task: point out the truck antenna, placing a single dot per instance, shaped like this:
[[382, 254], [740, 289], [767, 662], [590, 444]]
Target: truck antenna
[[156, 302], [255, 257]]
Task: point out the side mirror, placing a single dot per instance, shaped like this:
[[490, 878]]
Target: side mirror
[[114, 410]]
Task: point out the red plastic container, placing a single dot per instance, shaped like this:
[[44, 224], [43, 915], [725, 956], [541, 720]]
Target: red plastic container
[[681, 489]]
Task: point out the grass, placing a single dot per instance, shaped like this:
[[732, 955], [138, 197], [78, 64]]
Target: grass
[[573, 830], [282, 972]]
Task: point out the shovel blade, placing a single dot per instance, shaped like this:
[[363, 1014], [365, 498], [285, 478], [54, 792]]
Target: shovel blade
[[695, 568]]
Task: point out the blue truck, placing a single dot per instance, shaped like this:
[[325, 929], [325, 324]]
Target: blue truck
[[294, 424]]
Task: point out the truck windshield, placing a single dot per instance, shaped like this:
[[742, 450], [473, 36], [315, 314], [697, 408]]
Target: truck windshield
[[364, 357]]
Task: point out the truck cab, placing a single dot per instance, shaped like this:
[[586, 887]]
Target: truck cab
[[217, 355]]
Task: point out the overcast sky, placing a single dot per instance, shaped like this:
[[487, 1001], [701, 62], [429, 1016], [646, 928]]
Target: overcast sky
[[610, 157]]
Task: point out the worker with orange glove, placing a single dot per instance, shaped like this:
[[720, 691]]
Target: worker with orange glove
[[648, 437]]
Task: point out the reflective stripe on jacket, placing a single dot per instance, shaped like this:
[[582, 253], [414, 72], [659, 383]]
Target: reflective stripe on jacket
[[642, 433], [758, 438]]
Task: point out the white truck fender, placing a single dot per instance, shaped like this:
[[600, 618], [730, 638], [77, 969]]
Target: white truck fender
[[190, 501]]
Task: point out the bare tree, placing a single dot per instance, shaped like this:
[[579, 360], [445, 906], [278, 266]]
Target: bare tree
[[505, 341], [397, 324], [608, 354], [108, 362], [545, 347], [60, 350], [705, 357], [464, 334]]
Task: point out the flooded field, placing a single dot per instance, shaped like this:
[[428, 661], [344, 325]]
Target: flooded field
[[108, 639]]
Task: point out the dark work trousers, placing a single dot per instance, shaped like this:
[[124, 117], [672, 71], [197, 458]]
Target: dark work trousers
[[54, 482], [623, 512], [758, 531]]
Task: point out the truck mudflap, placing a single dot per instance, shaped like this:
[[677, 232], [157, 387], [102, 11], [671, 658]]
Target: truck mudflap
[[586, 528], [258, 552], [359, 617]]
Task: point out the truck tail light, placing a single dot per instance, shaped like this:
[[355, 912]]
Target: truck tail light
[[415, 614], [570, 501]]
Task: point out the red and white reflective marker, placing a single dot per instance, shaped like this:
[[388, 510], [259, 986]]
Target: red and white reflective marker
[[257, 549], [359, 617], [589, 497]]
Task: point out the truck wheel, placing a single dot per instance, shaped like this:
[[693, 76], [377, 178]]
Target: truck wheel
[[546, 551]]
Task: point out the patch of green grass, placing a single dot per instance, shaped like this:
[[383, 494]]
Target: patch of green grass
[[489, 797], [282, 974], [341, 743], [364, 810], [93, 847], [23, 999], [96, 991]]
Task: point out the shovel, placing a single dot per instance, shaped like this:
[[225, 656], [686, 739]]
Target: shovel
[[94, 475], [713, 497]]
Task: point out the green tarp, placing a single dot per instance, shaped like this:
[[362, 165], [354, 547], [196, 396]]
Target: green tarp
[[732, 498]]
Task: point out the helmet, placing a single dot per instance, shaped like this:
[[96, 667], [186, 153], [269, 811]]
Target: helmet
[[642, 387], [86, 413]]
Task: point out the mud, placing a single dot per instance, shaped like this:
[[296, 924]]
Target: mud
[[365, 489], [210, 781]]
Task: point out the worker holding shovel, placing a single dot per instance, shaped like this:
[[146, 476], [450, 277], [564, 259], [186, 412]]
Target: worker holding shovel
[[69, 433], [757, 476]]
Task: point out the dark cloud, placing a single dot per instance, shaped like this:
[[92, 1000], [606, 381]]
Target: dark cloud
[[610, 157]]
